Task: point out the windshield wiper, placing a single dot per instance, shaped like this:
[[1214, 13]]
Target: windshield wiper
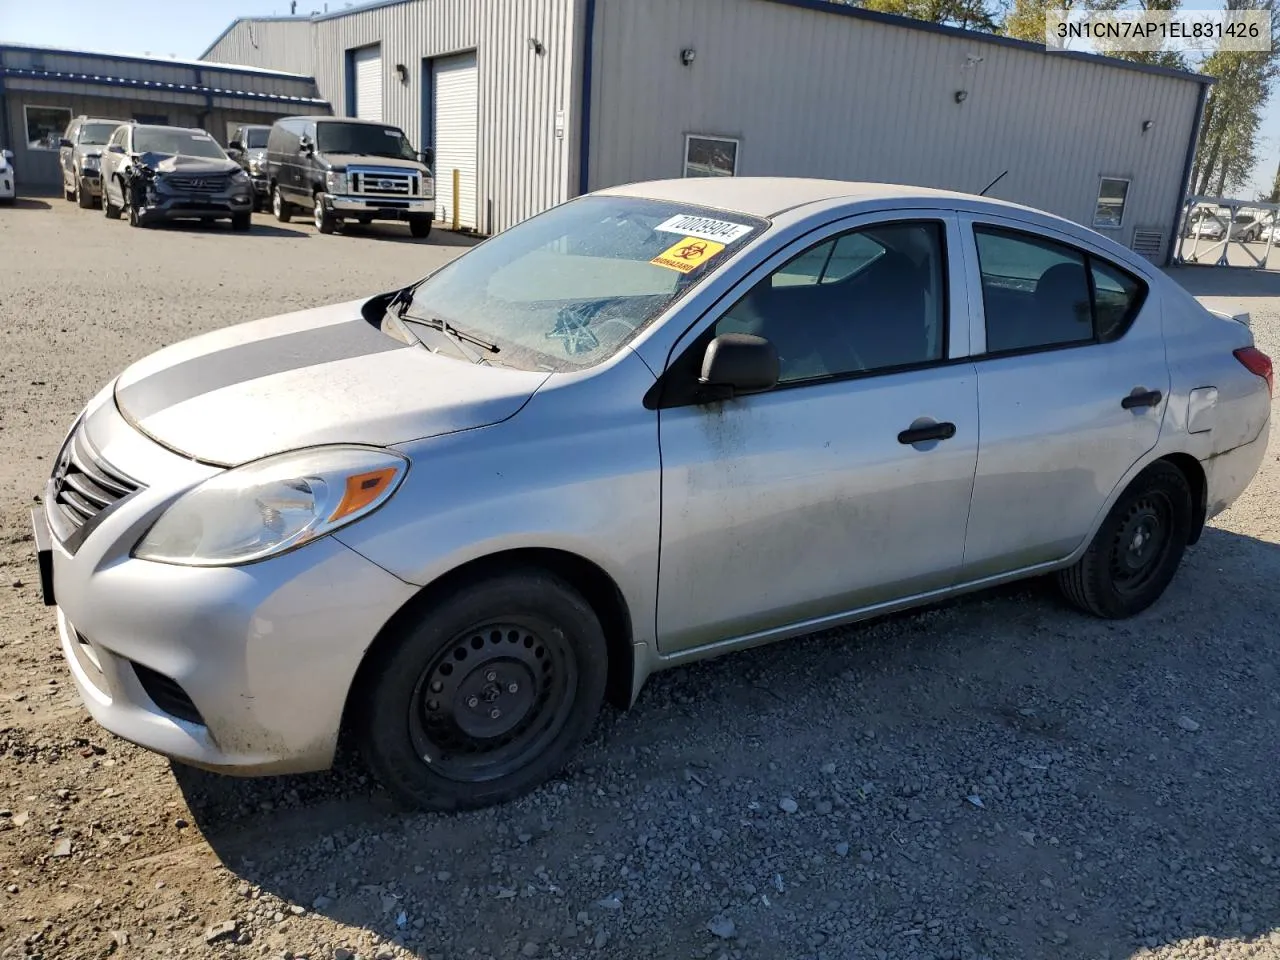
[[458, 337]]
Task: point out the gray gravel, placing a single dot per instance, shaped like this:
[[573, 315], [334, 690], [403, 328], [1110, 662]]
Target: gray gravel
[[999, 777]]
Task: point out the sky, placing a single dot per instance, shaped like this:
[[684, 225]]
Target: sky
[[184, 28]]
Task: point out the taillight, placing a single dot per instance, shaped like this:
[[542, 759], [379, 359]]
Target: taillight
[[1259, 364]]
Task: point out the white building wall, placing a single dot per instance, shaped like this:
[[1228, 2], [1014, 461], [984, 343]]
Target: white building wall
[[812, 93], [523, 166]]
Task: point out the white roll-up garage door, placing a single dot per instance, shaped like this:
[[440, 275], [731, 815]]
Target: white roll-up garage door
[[456, 120], [368, 83]]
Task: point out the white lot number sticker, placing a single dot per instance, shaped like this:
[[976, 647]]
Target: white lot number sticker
[[201, 136], [392, 133], [704, 228]]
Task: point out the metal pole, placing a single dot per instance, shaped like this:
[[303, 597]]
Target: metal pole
[[457, 189]]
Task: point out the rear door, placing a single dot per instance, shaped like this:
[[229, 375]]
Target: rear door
[[1072, 390]]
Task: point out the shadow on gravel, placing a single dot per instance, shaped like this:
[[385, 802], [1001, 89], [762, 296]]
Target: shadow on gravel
[[399, 233], [259, 228], [1000, 776], [1201, 281], [29, 203]]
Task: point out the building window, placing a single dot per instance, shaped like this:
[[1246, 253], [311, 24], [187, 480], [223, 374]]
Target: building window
[[1111, 197], [710, 156], [45, 126]]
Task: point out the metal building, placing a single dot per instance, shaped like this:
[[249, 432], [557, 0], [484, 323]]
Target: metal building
[[535, 101], [42, 89]]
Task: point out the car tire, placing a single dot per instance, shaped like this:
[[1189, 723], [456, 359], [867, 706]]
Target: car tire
[[430, 708], [420, 227], [109, 209], [1136, 552], [68, 194], [84, 199], [324, 221], [280, 206], [241, 221], [131, 211]]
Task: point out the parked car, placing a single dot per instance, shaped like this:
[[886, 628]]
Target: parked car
[[155, 173], [1270, 232], [8, 178], [342, 169], [248, 147], [79, 156], [1246, 228], [657, 423]]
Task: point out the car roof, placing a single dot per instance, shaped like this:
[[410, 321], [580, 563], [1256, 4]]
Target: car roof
[[770, 196], [118, 123], [324, 118], [163, 126]]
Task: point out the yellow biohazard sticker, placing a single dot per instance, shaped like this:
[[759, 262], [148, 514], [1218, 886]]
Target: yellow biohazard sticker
[[688, 254]]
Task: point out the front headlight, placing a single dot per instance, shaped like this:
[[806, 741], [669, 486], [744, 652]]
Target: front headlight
[[239, 176], [428, 187], [335, 182], [272, 505], [255, 166], [91, 163]]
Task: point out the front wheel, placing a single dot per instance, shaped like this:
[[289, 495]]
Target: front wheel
[[241, 221], [324, 220], [420, 227], [1136, 551], [280, 206], [109, 209], [486, 695]]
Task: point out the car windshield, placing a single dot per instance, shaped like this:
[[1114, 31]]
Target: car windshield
[[256, 139], [97, 134], [187, 143], [370, 139], [566, 289]]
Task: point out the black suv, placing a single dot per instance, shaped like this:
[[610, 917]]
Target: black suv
[[248, 147], [344, 169]]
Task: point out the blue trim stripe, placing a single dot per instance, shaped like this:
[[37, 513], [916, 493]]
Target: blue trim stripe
[[126, 82]]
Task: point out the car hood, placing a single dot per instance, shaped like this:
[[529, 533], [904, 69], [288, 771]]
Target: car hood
[[339, 160], [180, 163], [319, 376]]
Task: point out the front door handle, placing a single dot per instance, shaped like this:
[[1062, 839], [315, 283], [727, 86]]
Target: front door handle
[[1142, 398], [930, 431]]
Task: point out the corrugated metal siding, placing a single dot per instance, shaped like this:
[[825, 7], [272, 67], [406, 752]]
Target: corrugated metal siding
[[274, 44], [523, 168], [818, 94], [368, 67]]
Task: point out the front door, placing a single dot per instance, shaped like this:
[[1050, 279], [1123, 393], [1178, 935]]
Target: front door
[[848, 484], [1072, 388]]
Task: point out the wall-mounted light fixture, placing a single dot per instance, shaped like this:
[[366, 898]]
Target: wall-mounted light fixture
[[687, 55], [402, 72], [1147, 125], [536, 46], [962, 96]]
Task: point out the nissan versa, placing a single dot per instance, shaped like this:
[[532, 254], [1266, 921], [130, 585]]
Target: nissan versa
[[655, 423]]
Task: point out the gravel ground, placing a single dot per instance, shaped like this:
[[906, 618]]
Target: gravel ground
[[999, 777]]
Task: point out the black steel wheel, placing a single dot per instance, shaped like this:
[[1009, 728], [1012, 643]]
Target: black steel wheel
[[1137, 550], [484, 694], [420, 227]]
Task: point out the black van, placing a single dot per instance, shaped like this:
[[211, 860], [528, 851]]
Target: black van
[[345, 169]]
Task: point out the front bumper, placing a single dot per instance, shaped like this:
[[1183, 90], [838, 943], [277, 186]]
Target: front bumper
[[378, 208], [163, 205], [263, 654]]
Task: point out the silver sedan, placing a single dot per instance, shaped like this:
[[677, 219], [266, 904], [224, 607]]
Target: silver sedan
[[656, 423]]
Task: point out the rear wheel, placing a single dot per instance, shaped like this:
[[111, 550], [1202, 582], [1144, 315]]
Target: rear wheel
[[420, 227], [487, 695], [68, 193], [1136, 551], [280, 206]]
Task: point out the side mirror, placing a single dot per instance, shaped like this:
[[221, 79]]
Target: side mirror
[[115, 148], [65, 142], [428, 158], [8, 154], [305, 145], [235, 145], [737, 363]]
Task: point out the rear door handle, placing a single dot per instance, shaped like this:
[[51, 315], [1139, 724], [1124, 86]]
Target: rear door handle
[[1142, 398], [932, 431]]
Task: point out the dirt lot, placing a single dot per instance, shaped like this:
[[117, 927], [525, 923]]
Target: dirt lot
[[999, 777]]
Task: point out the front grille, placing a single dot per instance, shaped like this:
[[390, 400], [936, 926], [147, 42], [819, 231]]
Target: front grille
[[84, 485], [210, 184], [383, 183], [167, 694]]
